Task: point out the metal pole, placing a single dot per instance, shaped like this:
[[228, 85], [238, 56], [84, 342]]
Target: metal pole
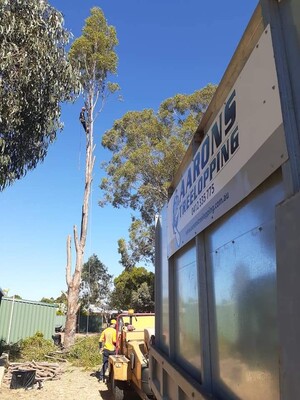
[[10, 319]]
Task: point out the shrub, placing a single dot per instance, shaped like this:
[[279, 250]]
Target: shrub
[[85, 353], [36, 347]]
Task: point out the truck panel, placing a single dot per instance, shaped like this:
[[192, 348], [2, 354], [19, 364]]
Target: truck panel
[[227, 303], [168, 381]]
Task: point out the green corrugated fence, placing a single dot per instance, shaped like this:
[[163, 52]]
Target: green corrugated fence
[[20, 319]]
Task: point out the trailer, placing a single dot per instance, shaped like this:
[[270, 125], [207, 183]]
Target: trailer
[[227, 266]]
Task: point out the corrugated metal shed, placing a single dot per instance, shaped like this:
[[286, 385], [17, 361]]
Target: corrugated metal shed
[[20, 319]]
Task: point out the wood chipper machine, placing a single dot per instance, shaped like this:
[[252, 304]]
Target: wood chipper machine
[[129, 368]]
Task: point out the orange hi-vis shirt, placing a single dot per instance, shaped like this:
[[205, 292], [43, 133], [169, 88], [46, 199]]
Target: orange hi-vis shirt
[[109, 337]]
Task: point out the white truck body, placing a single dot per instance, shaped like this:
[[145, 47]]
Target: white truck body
[[228, 241]]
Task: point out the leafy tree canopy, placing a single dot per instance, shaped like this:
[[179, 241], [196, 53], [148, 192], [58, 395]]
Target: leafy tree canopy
[[143, 298], [126, 259], [35, 77], [134, 288], [147, 148], [59, 300], [94, 54], [140, 245], [95, 283], [47, 300]]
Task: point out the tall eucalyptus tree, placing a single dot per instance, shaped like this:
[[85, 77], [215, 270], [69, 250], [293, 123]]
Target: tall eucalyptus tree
[[94, 55]]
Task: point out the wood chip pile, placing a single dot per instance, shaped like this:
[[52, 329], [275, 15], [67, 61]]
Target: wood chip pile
[[44, 371]]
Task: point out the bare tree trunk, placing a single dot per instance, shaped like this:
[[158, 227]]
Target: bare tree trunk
[[74, 281]]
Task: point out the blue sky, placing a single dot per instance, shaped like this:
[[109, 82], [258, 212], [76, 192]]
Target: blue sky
[[165, 47]]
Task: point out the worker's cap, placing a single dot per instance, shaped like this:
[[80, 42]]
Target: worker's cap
[[113, 321], [83, 108]]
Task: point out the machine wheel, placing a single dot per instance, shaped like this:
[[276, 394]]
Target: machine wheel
[[117, 388]]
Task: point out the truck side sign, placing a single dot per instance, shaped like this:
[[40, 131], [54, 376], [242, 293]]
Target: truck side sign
[[239, 151]]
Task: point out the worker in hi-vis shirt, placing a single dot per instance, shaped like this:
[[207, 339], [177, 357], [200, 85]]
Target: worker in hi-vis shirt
[[107, 346]]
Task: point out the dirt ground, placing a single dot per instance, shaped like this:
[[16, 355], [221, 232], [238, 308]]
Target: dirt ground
[[74, 384]]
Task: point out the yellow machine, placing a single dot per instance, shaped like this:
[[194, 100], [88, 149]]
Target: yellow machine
[[129, 368]]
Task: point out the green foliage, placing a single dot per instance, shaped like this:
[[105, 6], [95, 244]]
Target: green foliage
[[141, 243], [16, 296], [60, 301], [36, 348], [147, 149], [47, 300], [35, 77], [142, 240], [126, 260], [95, 282], [85, 353], [137, 169], [129, 287], [93, 53], [142, 299]]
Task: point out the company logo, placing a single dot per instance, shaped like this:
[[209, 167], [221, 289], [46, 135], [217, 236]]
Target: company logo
[[215, 152]]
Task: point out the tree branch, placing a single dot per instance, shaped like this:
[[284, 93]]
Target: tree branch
[[69, 261], [76, 241]]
